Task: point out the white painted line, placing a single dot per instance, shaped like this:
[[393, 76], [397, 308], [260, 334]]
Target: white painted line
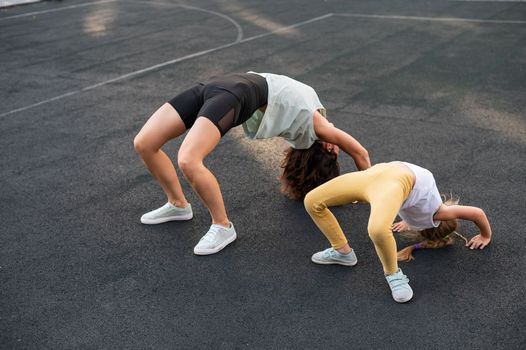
[[238, 27], [230, 19], [164, 64], [56, 9], [219, 14], [299, 24], [437, 19], [8, 3]]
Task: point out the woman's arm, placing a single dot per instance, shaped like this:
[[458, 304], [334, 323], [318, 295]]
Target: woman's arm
[[477, 215], [327, 132]]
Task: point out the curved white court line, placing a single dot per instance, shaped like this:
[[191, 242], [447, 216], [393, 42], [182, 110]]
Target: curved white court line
[[238, 27], [239, 37], [219, 14], [164, 64], [239, 40], [437, 19]]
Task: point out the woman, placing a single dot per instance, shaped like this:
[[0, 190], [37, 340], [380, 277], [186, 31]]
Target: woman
[[267, 105], [390, 188]]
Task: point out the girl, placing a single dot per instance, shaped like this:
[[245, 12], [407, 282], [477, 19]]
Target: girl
[[267, 105], [390, 188]]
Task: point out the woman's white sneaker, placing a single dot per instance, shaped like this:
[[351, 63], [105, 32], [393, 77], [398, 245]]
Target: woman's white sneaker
[[167, 212], [215, 239]]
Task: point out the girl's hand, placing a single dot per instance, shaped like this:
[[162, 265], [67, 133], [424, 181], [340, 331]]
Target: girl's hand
[[478, 242], [400, 226]]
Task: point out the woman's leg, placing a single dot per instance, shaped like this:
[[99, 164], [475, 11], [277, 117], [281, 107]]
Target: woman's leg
[[202, 138], [164, 125], [341, 190]]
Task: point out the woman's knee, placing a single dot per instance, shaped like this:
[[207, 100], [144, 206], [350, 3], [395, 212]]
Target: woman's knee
[[188, 164], [141, 144]]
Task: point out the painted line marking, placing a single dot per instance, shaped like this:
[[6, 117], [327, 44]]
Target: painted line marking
[[237, 41], [188, 7], [9, 3], [437, 19], [164, 64], [57, 9]]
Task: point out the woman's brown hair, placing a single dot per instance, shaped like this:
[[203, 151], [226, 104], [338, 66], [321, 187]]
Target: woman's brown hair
[[306, 169]]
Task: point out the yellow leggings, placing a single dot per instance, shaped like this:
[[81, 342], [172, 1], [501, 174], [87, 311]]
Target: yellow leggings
[[384, 186]]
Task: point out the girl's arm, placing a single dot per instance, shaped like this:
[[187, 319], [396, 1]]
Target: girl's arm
[[400, 226], [477, 215], [327, 132]]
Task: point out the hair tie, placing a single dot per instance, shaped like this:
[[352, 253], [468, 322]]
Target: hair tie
[[459, 235]]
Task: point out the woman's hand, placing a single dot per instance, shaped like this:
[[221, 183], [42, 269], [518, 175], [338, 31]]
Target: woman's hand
[[478, 242], [331, 148], [400, 226], [326, 132]]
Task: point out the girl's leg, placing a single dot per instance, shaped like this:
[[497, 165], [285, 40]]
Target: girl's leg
[[202, 138], [385, 204], [164, 125], [341, 190]]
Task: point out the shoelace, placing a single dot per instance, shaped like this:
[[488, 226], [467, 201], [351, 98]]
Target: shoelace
[[161, 209], [211, 234]]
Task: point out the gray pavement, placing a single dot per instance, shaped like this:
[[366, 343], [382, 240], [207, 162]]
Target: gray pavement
[[438, 83]]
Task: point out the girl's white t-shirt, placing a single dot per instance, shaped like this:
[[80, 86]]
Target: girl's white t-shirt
[[289, 113], [423, 201]]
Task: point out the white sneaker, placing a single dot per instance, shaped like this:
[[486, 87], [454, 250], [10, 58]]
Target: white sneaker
[[215, 239], [167, 212], [331, 256], [400, 288]]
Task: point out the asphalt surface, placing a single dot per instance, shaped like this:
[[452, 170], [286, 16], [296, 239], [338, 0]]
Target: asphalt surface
[[441, 84]]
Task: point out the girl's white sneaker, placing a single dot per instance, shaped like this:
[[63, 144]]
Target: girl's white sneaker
[[400, 288]]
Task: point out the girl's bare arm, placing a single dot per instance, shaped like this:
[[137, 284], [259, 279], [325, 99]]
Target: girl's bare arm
[[477, 215]]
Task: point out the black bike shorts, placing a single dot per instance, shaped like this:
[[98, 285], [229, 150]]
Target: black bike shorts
[[226, 101]]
